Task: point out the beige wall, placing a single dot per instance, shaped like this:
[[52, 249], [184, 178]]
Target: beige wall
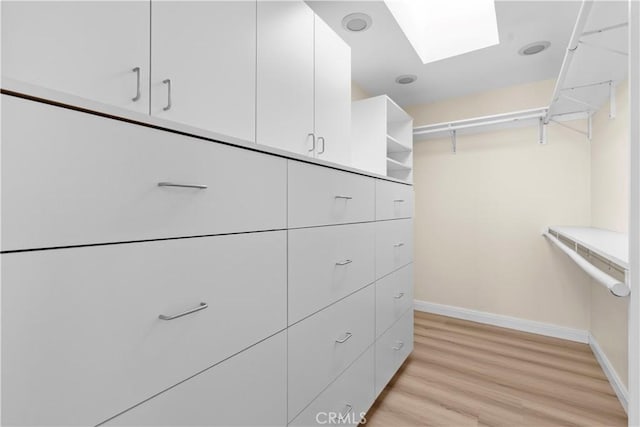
[[479, 213], [357, 93], [610, 209]]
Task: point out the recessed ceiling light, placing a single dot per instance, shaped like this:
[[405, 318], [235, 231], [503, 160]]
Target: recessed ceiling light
[[356, 22], [533, 48], [406, 79]]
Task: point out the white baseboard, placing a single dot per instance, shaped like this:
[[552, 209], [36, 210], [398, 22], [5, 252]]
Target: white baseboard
[[534, 327], [615, 381]]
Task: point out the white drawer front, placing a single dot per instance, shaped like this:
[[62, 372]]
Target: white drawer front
[[316, 357], [394, 245], [345, 400], [324, 196], [393, 200], [76, 178], [247, 390], [394, 296], [392, 349], [82, 338], [328, 263]]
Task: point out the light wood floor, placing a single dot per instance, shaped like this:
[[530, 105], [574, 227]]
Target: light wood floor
[[467, 374]]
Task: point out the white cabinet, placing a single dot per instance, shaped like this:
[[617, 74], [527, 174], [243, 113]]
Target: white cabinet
[[76, 178], [394, 245], [332, 95], [305, 105], [393, 200], [327, 264], [246, 390], [392, 349], [348, 398], [322, 346], [285, 76], [82, 337], [394, 296], [203, 64], [323, 196], [97, 50]]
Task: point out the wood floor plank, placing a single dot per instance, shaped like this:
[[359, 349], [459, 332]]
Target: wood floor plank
[[463, 373]]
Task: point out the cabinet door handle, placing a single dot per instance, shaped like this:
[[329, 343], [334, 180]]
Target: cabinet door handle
[[397, 245], [168, 83], [346, 414], [347, 335], [173, 184], [399, 346], [137, 71], [399, 200], [202, 306], [343, 197], [313, 142], [321, 138], [398, 296], [345, 262]]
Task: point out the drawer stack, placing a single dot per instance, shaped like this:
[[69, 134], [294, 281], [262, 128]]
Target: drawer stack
[[155, 278]]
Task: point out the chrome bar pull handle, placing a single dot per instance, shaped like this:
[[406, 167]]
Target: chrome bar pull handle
[[343, 197], [346, 337], [399, 346], [313, 140], [399, 200], [345, 262], [202, 306], [174, 184], [168, 83], [399, 295], [397, 245], [137, 71], [346, 414], [321, 138]]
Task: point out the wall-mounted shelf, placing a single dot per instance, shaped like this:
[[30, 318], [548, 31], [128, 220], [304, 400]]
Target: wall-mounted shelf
[[602, 254], [595, 61], [381, 138]]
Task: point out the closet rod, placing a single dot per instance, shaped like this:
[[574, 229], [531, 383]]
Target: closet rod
[[616, 287], [534, 113]]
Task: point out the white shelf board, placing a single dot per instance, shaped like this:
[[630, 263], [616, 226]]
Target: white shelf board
[[611, 245], [395, 146], [394, 165], [395, 113]]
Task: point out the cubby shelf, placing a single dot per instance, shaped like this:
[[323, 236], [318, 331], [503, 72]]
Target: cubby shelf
[[382, 138]]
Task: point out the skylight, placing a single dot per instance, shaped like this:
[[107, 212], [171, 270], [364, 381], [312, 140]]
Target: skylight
[[439, 29]]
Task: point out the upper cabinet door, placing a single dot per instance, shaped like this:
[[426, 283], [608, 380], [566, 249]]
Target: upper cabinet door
[[97, 50], [332, 95], [203, 65], [285, 76]]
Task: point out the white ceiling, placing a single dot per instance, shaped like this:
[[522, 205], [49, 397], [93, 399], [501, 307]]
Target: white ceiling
[[382, 53]]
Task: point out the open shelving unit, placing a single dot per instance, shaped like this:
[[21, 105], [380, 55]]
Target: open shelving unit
[[382, 138]]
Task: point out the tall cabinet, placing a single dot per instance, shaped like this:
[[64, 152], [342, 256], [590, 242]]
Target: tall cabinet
[[305, 106], [203, 64]]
